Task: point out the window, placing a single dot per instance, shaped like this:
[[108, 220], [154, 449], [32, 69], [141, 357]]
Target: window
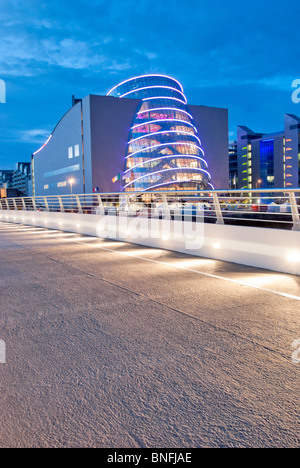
[[63, 170], [267, 163], [70, 152], [76, 151]]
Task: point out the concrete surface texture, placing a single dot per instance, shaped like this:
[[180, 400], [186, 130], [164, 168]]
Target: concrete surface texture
[[110, 344]]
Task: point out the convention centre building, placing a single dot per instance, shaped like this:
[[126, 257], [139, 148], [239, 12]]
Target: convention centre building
[[141, 136]]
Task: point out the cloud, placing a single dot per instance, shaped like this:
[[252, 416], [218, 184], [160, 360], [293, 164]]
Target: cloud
[[34, 136]]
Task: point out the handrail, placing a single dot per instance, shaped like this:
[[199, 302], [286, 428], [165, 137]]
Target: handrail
[[255, 207]]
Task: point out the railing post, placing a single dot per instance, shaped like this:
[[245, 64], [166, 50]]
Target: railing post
[[166, 207], [15, 204], [7, 204], [295, 212], [78, 204], [102, 209], [46, 203], [220, 219], [33, 203], [24, 204], [61, 205]]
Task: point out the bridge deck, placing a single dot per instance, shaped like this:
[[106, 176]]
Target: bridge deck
[[116, 345]]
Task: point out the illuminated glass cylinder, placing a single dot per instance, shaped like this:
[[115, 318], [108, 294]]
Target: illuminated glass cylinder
[[164, 151]]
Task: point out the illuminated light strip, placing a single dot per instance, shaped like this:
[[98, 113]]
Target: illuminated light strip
[[43, 145], [171, 156], [145, 76], [153, 87], [164, 97], [190, 270], [160, 133], [150, 122], [165, 108], [101, 246], [164, 144], [167, 170], [170, 183]]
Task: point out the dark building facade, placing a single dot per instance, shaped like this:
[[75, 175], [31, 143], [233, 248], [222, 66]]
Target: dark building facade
[[177, 146], [21, 178], [18, 179], [6, 177]]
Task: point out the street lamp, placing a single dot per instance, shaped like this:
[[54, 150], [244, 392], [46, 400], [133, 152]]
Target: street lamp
[[71, 182], [258, 184]]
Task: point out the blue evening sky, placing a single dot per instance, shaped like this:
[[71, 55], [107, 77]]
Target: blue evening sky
[[239, 55]]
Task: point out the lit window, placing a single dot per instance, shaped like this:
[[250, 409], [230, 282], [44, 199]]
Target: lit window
[[62, 184], [70, 152], [46, 187], [76, 151]]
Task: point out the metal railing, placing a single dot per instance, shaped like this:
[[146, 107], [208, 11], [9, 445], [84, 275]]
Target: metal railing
[[275, 208]]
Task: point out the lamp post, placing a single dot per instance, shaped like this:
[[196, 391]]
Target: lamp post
[[259, 181], [71, 182]]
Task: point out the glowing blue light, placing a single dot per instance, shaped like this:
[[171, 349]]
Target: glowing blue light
[[165, 144], [150, 122], [163, 132], [150, 87], [168, 170], [171, 156], [144, 76], [164, 97]]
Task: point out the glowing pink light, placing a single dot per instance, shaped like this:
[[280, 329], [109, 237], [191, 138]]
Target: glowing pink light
[[43, 145], [164, 108]]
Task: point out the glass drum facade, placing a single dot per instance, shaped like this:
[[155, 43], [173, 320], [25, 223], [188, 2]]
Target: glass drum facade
[[164, 151]]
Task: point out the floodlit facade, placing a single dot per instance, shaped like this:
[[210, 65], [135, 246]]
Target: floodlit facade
[[163, 150], [141, 136]]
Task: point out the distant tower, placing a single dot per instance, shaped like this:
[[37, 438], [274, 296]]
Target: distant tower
[[163, 150]]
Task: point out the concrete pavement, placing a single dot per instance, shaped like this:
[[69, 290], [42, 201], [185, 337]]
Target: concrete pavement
[[111, 344]]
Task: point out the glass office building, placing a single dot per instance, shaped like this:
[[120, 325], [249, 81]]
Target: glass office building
[[164, 150], [269, 160]]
